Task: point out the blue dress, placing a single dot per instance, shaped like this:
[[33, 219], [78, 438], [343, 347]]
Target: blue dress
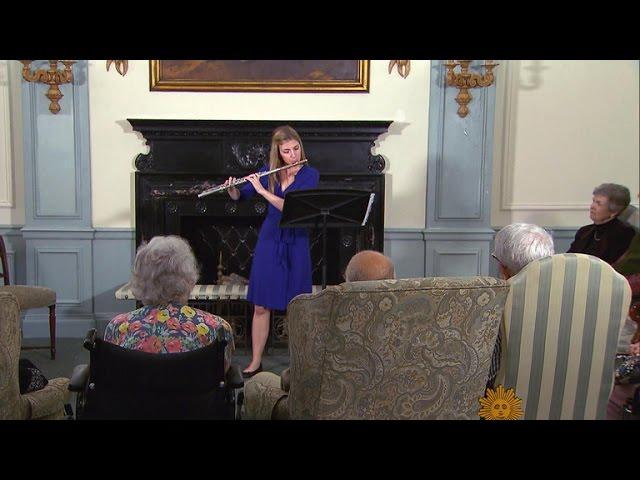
[[281, 267]]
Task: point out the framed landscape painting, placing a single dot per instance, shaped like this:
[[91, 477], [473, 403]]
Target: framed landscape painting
[[259, 75]]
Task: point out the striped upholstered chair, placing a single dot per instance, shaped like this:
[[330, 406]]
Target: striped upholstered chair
[[563, 317]]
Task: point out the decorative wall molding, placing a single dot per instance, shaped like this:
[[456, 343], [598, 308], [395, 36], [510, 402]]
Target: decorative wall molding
[[506, 149], [6, 157], [41, 159], [30, 233], [113, 251], [459, 158], [583, 207], [444, 258], [56, 152], [85, 285], [113, 255], [36, 325], [546, 206], [406, 247], [427, 252], [58, 238], [114, 234], [72, 258], [441, 190]]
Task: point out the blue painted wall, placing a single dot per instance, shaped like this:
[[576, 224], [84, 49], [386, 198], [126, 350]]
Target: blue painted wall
[[409, 250], [458, 230]]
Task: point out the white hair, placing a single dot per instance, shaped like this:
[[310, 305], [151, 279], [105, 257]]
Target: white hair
[[165, 270], [518, 244]]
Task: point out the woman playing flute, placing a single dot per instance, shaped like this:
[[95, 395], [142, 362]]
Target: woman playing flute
[[281, 267]]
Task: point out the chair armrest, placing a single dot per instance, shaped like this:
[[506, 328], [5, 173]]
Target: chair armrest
[[233, 377], [79, 378]]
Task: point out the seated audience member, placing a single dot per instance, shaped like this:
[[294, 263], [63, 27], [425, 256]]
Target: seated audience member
[[629, 266], [164, 273], [364, 265], [518, 244], [515, 246], [607, 237], [369, 265], [628, 370]]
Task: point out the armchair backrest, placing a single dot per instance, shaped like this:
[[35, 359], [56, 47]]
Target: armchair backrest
[[11, 404], [393, 349], [631, 216], [131, 384], [563, 318]]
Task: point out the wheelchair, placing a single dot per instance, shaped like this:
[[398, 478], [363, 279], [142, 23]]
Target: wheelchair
[[120, 383]]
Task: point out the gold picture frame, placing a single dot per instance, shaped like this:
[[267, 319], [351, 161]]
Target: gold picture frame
[[330, 76]]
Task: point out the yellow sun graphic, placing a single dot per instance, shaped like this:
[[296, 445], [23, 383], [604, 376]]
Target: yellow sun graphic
[[500, 404]]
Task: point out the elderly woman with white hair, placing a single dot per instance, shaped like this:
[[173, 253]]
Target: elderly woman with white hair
[[164, 273], [607, 237]]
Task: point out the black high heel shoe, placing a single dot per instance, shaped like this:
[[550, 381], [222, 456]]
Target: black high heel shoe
[[251, 373]]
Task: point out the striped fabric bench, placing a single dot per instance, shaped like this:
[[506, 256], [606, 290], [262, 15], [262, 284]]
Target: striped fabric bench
[[205, 292]]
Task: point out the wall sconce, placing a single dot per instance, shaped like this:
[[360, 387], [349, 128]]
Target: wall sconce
[[404, 67], [121, 66], [464, 80], [52, 77]]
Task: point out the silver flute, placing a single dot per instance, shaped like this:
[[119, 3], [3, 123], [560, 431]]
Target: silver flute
[[224, 186]]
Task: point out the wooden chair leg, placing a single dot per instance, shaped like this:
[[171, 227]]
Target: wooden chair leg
[[52, 330]]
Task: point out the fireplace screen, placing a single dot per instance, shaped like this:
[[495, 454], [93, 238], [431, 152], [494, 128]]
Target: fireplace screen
[[224, 248]]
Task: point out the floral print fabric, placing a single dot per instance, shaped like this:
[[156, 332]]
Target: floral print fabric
[[170, 328]]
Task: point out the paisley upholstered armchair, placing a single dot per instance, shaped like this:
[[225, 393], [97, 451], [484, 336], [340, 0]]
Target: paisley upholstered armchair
[[389, 349], [45, 404]]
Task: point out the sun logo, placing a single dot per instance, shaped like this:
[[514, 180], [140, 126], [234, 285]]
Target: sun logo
[[500, 404]]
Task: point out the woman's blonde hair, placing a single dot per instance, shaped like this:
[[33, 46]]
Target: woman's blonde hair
[[280, 135], [165, 270]]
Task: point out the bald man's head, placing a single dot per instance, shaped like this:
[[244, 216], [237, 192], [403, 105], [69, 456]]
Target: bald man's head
[[369, 265]]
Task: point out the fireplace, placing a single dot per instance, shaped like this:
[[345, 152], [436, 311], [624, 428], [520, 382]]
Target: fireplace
[[188, 156]]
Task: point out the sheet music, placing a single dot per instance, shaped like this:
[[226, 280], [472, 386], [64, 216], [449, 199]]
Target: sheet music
[[366, 215]]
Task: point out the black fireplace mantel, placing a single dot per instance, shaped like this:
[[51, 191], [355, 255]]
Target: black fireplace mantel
[[188, 156], [238, 146]]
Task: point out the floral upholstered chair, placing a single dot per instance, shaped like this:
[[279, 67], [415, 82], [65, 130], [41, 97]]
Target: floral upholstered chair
[[563, 317], [47, 403], [393, 349]]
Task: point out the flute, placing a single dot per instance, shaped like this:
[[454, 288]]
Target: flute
[[222, 187]]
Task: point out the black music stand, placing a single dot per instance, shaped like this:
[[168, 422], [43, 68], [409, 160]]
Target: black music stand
[[326, 209]]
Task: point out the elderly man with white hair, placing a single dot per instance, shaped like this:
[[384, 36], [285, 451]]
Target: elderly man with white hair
[[515, 246], [519, 244]]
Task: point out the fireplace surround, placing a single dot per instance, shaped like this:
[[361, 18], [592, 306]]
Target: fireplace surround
[[187, 156]]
